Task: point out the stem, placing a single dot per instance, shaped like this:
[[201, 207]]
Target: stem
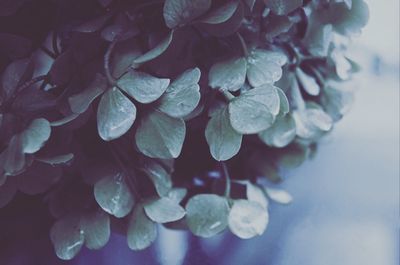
[[297, 97], [243, 44], [297, 55], [292, 52], [107, 56], [55, 44], [227, 180], [48, 52], [228, 96], [31, 82], [44, 84], [317, 75]]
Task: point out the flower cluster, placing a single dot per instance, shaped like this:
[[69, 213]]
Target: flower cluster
[[176, 112]]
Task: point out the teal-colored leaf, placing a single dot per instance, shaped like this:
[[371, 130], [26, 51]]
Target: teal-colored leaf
[[254, 110], [318, 36], [247, 219], [15, 75], [279, 196], [264, 67], [220, 14], [113, 195], [96, 227], [115, 115], [276, 25], [177, 194], [312, 122], [227, 28], [65, 120], [349, 21], [283, 7], [228, 75], [278, 57], [180, 12], [223, 140], [281, 133], [164, 210], [284, 107], [124, 53], [349, 3], [143, 87], [308, 83], [142, 231], [336, 101], [296, 98], [14, 158], [255, 193], [56, 160], [159, 176], [207, 214], [156, 51], [67, 237], [79, 103], [160, 136], [34, 137], [182, 96]]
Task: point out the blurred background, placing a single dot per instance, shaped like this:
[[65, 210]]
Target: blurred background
[[345, 207]]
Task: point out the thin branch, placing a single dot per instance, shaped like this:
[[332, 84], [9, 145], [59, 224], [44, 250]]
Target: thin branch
[[55, 44], [228, 96], [44, 84], [227, 180], [48, 52], [243, 44], [318, 75], [31, 82]]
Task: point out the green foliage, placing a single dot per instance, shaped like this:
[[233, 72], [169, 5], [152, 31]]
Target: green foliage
[[254, 110], [182, 96], [180, 12], [247, 219], [114, 113], [163, 210], [160, 136], [142, 231], [113, 195], [223, 140], [207, 214], [228, 75]]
